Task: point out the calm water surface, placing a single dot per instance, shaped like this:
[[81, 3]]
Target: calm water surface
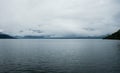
[[60, 56]]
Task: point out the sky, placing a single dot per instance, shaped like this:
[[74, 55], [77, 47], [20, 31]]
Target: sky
[[59, 17]]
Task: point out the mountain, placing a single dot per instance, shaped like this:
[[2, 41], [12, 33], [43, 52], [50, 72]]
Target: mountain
[[5, 36], [33, 37], [63, 37], [115, 35]]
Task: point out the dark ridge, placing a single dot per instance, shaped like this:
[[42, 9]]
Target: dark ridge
[[115, 35], [5, 36]]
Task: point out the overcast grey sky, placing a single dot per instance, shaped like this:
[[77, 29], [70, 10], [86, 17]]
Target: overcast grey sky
[[59, 17]]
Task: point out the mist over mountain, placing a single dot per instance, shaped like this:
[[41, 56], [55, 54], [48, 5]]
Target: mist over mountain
[[6, 36], [59, 37]]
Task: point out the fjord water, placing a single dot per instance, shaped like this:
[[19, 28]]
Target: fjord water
[[60, 56]]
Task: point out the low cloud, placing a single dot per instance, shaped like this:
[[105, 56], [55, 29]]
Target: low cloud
[[60, 17]]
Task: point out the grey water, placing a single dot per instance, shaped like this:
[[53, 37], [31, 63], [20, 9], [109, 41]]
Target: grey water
[[59, 56]]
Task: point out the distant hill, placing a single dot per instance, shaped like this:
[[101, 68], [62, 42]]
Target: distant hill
[[64, 37], [115, 35], [5, 36]]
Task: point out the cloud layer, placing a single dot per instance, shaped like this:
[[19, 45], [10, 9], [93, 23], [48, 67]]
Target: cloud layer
[[60, 17]]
